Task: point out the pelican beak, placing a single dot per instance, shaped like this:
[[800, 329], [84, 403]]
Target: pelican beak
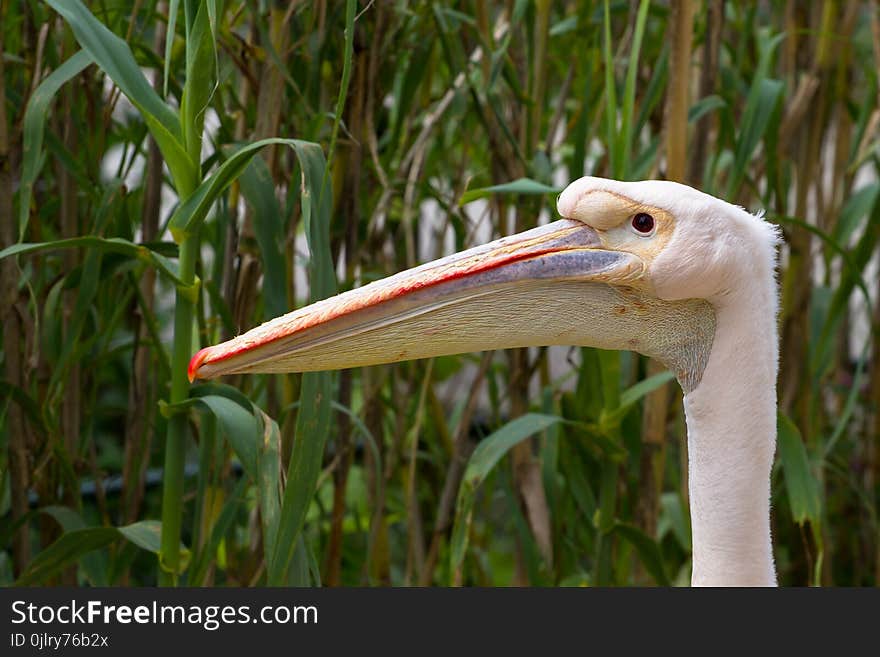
[[553, 285]]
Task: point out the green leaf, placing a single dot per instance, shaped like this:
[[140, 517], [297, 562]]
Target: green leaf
[[609, 373], [258, 189], [648, 550], [764, 96], [298, 571], [367, 435], [269, 482], [190, 214], [519, 186], [220, 529], [92, 564], [316, 198], [496, 445], [313, 419], [86, 289], [756, 118], [566, 25], [347, 56], [35, 118], [604, 519], [611, 106], [67, 518], [147, 534], [78, 541], [576, 482], [704, 106], [858, 206], [31, 408], [649, 100], [407, 81], [312, 428], [10, 526], [239, 424], [65, 551], [800, 483], [674, 518], [482, 461], [625, 134], [821, 351], [141, 252], [630, 396], [114, 57], [578, 579], [201, 78], [170, 33]]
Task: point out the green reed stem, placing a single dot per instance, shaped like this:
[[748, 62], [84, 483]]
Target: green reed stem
[[175, 445]]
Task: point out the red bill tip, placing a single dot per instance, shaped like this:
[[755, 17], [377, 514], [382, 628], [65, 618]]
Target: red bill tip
[[196, 362]]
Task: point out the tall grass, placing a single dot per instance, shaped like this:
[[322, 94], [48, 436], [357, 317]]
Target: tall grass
[[174, 173]]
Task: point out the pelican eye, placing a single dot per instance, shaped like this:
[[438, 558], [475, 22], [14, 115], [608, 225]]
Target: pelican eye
[[643, 223]]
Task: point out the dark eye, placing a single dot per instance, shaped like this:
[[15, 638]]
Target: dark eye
[[643, 222]]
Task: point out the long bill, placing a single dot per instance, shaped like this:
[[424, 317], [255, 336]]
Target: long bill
[[553, 285]]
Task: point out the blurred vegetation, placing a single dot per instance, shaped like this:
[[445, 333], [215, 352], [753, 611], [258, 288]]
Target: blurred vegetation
[[136, 227]]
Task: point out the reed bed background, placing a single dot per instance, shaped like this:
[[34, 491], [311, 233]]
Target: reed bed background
[[174, 173]]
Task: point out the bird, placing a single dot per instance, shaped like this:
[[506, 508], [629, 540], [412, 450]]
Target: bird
[[652, 266]]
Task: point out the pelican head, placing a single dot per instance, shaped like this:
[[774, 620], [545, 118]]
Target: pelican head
[[631, 265]]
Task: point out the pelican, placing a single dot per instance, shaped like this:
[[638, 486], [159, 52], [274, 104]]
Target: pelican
[[652, 266]]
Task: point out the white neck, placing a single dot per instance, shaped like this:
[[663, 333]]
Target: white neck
[[731, 422]]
